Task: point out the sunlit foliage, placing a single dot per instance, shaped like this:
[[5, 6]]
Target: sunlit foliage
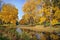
[[45, 10], [9, 14]]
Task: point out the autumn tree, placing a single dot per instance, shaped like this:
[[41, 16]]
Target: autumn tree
[[45, 11], [9, 14], [50, 8], [22, 22], [30, 8]]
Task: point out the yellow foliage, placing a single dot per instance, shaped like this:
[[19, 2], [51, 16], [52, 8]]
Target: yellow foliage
[[38, 2], [9, 9], [22, 21], [42, 19], [9, 13], [13, 21], [54, 21], [43, 9], [57, 14]]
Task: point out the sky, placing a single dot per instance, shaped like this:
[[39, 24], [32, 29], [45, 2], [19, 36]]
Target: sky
[[18, 4]]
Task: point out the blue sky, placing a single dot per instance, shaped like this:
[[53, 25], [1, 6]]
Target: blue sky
[[18, 4]]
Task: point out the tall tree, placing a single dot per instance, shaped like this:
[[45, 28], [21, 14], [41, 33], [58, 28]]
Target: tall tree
[[9, 13], [47, 10], [53, 5], [30, 7]]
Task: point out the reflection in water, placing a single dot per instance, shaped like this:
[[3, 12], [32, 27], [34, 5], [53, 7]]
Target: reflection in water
[[19, 30], [37, 36]]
